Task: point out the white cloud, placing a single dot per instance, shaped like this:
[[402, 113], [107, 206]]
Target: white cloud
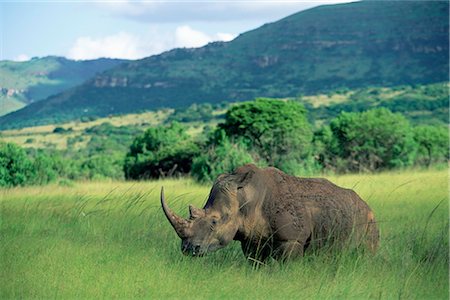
[[130, 46], [226, 37], [121, 45], [22, 57], [187, 37]]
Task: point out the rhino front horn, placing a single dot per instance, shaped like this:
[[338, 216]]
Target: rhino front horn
[[178, 223]]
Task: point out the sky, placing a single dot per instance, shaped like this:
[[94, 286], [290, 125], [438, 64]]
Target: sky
[[130, 29]]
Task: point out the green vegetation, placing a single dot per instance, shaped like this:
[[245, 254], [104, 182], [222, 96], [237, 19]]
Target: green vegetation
[[219, 156], [111, 240], [161, 151], [323, 49], [421, 104], [17, 168], [278, 131], [433, 143], [204, 112], [267, 132], [374, 140], [102, 157]]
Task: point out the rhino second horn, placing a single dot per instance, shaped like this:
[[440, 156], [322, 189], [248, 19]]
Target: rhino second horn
[[196, 212], [178, 223]]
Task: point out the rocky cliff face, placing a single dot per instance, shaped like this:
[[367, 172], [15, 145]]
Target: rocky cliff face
[[8, 92], [108, 81]]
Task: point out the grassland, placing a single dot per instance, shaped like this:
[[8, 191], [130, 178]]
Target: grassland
[[111, 240], [43, 136]]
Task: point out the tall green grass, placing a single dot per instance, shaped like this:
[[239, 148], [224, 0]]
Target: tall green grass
[[111, 240]]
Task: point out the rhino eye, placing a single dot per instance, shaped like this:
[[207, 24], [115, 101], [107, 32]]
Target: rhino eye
[[213, 224]]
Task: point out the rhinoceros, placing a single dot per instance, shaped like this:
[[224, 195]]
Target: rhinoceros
[[274, 215]]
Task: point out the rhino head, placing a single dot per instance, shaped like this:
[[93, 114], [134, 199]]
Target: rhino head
[[207, 229]]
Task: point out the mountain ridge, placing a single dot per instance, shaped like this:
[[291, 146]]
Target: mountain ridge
[[322, 49]]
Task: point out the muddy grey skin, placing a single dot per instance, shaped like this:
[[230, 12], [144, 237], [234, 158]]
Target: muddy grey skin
[[274, 215]]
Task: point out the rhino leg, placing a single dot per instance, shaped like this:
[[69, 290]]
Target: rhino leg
[[257, 250], [289, 250]]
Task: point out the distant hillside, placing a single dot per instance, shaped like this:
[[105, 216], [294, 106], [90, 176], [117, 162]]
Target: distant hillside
[[368, 43], [22, 83], [421, 104]]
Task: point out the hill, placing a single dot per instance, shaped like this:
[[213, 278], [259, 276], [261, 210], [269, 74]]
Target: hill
[[355, 45], [22, 83]]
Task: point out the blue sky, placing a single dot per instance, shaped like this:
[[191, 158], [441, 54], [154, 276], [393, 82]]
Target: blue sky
[[129, 29]]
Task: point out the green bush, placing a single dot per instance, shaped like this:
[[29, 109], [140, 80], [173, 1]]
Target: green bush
[[45, 168], [433, 144], [15, 166], [19, 168], [101, 166], [194, 113], [220, 157], [161, 151], [62, 130], [277, 130], [373, 140]]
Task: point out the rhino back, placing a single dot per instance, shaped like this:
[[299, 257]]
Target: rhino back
[[313, 205]]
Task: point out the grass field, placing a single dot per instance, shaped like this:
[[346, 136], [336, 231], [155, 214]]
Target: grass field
[[43, 136], [111, 240]]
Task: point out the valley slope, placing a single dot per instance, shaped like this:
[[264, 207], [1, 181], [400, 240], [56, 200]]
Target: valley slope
[[22, 83]]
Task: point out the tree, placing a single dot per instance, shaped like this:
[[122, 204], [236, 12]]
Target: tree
[[15, 166], [194, 113], [160, 151], [326, 151], [45, 168], [223, 156], [372, 140], [433, 144], [277, 130]]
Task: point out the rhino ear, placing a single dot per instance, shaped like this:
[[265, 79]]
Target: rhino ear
[[196, 212], [245, 179]]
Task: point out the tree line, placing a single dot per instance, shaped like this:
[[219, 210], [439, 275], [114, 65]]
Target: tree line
[[267, 132]]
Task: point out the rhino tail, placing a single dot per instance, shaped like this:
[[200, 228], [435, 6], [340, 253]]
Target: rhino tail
[[372, 233]]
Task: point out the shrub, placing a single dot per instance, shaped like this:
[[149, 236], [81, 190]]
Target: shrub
[[277, 130], [220, 157], [19, 168], [194, 113], [45, 168], [372, 140], [161, 151], [62, 130], [433, 144], [15, 166]]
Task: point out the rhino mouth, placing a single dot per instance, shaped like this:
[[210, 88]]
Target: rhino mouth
[[191, 250], [197, 250]]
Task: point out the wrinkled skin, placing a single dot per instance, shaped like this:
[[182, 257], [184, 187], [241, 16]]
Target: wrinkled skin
[[275, 215]]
